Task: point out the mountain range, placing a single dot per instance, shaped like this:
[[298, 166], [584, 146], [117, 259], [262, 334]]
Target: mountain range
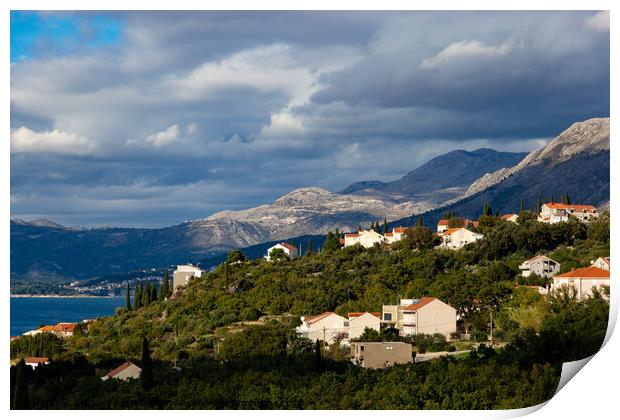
[[576, 162]]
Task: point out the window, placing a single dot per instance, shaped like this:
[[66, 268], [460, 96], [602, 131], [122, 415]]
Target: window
[[389, 347], [387, 317]]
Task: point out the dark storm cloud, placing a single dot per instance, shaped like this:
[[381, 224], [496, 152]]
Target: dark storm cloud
[[189, 113]]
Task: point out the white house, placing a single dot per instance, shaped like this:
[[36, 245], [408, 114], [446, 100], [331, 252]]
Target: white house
[[289, 250], [326, 327], [396, 235], [558, 212], [457, 238], [510, 217], [602, 262], [540, 265], [124, 372], [182, 275], [583, 280], [427, 315], [366, 238], [359, 321], [444, 224]]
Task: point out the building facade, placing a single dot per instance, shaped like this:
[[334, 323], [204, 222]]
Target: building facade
[[182, 275], [582, 280], [558, 212], [457, 238], [327, 327], [290, 250], [420, 316], [359, 321], [379, 355], [540, 265]]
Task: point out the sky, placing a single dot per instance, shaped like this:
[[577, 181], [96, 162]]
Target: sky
[[148, 119]]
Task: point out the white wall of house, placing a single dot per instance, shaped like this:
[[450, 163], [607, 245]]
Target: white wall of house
[[182, 275], [358, 324], [436, 317], [541, 266], [291, 253], [583, 287], [366, 238], [326, 328], [459, 238]]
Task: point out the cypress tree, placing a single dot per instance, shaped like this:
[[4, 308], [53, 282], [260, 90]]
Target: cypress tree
[[146, 375], [128, 298], [137, 296], [160, 296], [337, 233], [539, 205], [522, 206], [154, 292], [385, 226], [420, 221], [20, 394], [146, 295], [318, 357], [309, 249], [552, 199]]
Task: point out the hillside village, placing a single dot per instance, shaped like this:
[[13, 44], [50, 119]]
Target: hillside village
[[395, 319]]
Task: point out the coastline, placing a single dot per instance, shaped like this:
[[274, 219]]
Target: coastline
[[62, 296]]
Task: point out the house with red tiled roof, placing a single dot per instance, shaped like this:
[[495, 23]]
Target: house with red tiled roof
[[558, 212], [327, 327], [602, 262], [365, 238], [124, 372], [512, 217], [444, 224], [359, 321], [427, 315], [64, 329], [582, 280], [290, 250], [35, 361], [540, 265], [457, 238]]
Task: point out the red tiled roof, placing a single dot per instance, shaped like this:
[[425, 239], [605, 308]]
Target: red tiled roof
[[443, 222], [313, 319], [288, 246], [65, 327], [586, 272], [424, 301], [37, 360], [508, 216], [47, 328], [575, 207], [114, 372], [451, 231], [389, 234], [351, 235], [400, 229], [358, 314]]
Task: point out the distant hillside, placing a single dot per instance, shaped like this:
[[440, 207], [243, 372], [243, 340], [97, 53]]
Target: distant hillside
[[576, 162], [442, 178]]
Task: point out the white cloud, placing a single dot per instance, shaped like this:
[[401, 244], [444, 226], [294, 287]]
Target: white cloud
[[25, 140], [465, 48], [599, 22], [191, 129], [161, 138]]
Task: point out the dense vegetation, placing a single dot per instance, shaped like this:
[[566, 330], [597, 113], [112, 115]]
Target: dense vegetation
[[230, 359]]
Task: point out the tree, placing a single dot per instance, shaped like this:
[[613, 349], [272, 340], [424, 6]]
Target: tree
[[154, 292], [318, 356], [521, 206], [137, 296], [331, 242], [128, 298], [276, 254], [161, 294], [146, 375], [309, 248], [420, 221], [369, 334], [419, 237], [539, 205], [565, 199], [146, 295], [385, 226], [236, 256], [167, 285], [20, 394]]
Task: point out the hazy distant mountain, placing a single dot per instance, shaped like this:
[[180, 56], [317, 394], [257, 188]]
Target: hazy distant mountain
[[442, 178], [575, 162]]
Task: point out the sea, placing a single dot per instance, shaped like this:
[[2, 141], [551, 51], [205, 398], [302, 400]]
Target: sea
[[28, 313]]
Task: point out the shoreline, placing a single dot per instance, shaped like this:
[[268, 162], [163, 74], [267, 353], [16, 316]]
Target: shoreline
[[64, 296]]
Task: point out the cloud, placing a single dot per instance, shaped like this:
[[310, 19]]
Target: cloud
[[466, 49], [169, 135], [24, 140], [599, 22]]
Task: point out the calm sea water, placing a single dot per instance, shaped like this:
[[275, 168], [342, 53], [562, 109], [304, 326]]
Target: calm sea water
[[28, 313]]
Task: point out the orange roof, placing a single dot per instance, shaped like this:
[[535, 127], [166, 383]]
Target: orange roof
[[351, 235], [47, 328], [420, 303], [316, 318], [400, 229], [389, 234], [586, 272], [576, 207], [37, 360], [119, 369], [65, 327], [288, 246], [443, 222], [358, 314], [508, 216], [451, 231]]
